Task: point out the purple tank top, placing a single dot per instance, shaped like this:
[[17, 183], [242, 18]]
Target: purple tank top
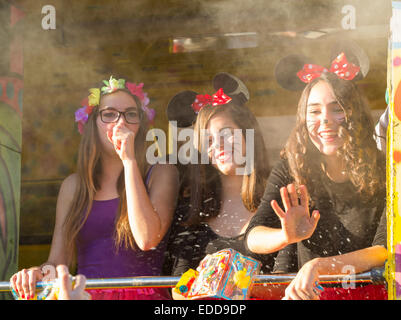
[[97, 256]]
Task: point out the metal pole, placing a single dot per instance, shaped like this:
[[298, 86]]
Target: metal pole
[[374, 276]]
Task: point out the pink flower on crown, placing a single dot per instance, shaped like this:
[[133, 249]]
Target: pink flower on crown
[[136, 90]]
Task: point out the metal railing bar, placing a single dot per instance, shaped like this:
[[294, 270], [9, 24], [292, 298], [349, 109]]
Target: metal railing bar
[[374, 276]]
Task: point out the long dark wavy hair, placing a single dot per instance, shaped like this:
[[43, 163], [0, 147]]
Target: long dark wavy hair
[[364, 163], [205, 184]]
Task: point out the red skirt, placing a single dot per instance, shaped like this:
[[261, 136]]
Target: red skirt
[[130, 294], [366, 292]]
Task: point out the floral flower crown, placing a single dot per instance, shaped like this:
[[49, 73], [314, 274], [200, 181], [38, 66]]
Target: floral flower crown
[[93, 100]]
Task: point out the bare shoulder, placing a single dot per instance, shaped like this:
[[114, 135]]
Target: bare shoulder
[[167, 173], [68, 186], [164, 170]]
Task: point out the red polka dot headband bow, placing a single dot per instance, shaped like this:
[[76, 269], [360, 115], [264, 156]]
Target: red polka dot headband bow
[[219, 98], [340, 66]]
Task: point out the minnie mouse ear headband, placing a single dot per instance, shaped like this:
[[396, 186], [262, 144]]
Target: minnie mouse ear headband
[[185, 106], [355, 55], [93, 100], [232, 86], [349, 62]]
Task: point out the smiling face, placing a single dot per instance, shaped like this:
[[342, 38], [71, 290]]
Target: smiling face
[[324, 117], [118, 101], [224, 142]]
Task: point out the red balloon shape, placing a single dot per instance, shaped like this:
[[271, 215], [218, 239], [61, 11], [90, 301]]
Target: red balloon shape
[[397, 102], [397, 156]]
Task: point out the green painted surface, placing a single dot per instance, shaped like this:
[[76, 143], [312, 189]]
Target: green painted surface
[[10, 176]]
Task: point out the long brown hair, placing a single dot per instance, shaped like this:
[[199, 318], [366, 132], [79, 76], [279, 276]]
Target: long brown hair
[[205, 179], [364, 164], [89, 171]]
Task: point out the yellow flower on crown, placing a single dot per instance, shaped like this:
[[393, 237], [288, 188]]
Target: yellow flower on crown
[[94, 97]]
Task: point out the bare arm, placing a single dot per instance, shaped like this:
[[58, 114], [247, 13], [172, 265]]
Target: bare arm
[[150, 212], [24, 281], [58, 254], [265, 240], [302, 287], [360, 261], [150, 215]]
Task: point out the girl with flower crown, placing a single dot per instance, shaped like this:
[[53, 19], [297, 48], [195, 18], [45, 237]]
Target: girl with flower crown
[[324, 204], [222, 197], [114, 213]]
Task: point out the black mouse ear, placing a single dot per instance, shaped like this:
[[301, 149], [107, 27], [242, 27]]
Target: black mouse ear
[[180, 109], [232, 86], [354, 54], [286, 71]]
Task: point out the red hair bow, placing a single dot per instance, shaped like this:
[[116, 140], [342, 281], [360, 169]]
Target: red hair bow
[[340, 66], [217, 99]]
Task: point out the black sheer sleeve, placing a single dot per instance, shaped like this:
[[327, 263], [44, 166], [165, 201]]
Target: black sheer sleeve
[[265, 215], [287, 260], [381, 232], [188, 248]]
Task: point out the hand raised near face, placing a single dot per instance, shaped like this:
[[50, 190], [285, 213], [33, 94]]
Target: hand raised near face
[[296, 222], [123, 141]]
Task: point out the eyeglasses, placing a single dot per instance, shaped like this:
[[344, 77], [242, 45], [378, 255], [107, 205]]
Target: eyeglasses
[[110, 115]]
